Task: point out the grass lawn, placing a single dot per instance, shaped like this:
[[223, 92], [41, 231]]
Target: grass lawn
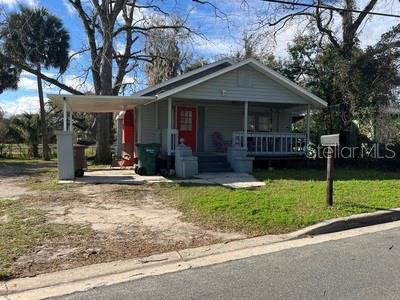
[[22, 229], [292, 199]]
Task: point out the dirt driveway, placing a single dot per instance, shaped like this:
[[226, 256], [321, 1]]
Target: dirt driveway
[[84, 224]]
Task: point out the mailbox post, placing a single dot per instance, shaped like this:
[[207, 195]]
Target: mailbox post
[[329, 141]]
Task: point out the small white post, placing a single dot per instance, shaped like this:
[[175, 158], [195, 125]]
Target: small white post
[[65, 115], [70, 120], [139, 123], [246, 113], [169, 126], [120, 119], [308, 125]]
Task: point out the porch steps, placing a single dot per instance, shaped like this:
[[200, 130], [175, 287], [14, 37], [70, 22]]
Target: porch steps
[[213, 163]]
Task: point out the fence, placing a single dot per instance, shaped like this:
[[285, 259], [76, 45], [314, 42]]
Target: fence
[[21, 151]]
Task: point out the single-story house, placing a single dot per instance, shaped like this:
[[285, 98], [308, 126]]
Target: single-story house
[[220, 116]]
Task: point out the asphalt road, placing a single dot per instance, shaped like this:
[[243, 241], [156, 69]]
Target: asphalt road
[[363, 267]]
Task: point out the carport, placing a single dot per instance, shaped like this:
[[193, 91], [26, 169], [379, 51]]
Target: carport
[[89, 104]]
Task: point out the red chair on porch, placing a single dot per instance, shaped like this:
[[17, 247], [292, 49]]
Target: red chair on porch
[[219, 143]]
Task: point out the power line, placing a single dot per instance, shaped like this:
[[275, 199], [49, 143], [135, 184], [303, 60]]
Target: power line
[[332, 8]]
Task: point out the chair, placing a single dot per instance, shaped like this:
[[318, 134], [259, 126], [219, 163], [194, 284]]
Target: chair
[[219, 143]]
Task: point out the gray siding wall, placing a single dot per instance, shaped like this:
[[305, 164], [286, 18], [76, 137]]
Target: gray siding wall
[[149, 133], [223, 119], [236, 86]]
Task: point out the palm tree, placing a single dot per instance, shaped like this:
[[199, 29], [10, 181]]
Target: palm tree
[[9, 76], [36, 37], [25, 127]]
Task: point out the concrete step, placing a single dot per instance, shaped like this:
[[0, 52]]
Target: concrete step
[[215, 170], [215, 166], [211, 158]]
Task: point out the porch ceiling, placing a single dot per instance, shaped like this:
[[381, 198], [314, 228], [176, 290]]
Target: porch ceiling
[[95, 103]]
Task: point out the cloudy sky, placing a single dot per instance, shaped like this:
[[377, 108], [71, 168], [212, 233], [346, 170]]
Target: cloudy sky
[[222, 37]]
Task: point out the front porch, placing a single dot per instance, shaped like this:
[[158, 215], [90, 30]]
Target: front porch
[[215, 133]]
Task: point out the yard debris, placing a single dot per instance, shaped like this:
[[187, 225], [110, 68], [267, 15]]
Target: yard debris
[[92, 251]]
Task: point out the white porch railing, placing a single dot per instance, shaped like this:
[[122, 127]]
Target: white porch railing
[[263, 143]]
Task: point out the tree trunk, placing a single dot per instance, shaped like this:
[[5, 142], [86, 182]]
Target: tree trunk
[[347, 27], [103, 138], [43, 124], [104, 120]]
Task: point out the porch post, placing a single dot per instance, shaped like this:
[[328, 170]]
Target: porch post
[[70, 120], [308, 125], [169, 126], [156, 121], [65, 115], [138, 118], [119, 134], [246, 113]]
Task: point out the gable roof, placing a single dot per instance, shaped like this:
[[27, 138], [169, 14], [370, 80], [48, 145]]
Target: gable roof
[[185, 78], [193, 78]]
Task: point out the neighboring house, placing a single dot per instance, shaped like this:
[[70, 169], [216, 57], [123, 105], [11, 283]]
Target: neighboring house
[[242, 111]]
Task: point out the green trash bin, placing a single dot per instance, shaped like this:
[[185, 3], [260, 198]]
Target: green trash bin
[[147, 158]]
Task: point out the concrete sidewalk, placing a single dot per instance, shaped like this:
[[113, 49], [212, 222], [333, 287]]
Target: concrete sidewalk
[[87, 277], [128, 176]]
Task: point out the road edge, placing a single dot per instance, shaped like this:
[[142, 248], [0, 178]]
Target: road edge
[[104, 274]]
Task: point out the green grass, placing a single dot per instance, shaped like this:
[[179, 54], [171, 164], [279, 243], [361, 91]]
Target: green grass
[[10, 161], [291, 199], [22, 229]]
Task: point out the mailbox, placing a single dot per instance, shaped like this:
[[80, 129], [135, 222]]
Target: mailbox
[[330, 140]]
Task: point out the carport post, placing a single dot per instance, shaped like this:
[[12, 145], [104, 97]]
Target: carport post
[[169, 126], [70, 120], [65, 114]]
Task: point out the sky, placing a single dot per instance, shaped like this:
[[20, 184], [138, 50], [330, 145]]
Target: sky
[[219, 36]]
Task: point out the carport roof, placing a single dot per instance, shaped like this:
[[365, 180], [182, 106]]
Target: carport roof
[[95, 103]]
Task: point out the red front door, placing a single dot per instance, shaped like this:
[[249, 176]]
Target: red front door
[[187, 125]]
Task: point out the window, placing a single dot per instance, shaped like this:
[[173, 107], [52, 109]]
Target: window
[[264, 123], [259, 121], [185, 120], [251, 123]]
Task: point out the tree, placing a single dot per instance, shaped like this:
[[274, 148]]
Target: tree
[[342, 40], [3, 126], [374, 77], [252, 48], [26, 127], [115, 31], [165, 46], [108, 24], [37, 38], [9, 76], [195, 64]]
